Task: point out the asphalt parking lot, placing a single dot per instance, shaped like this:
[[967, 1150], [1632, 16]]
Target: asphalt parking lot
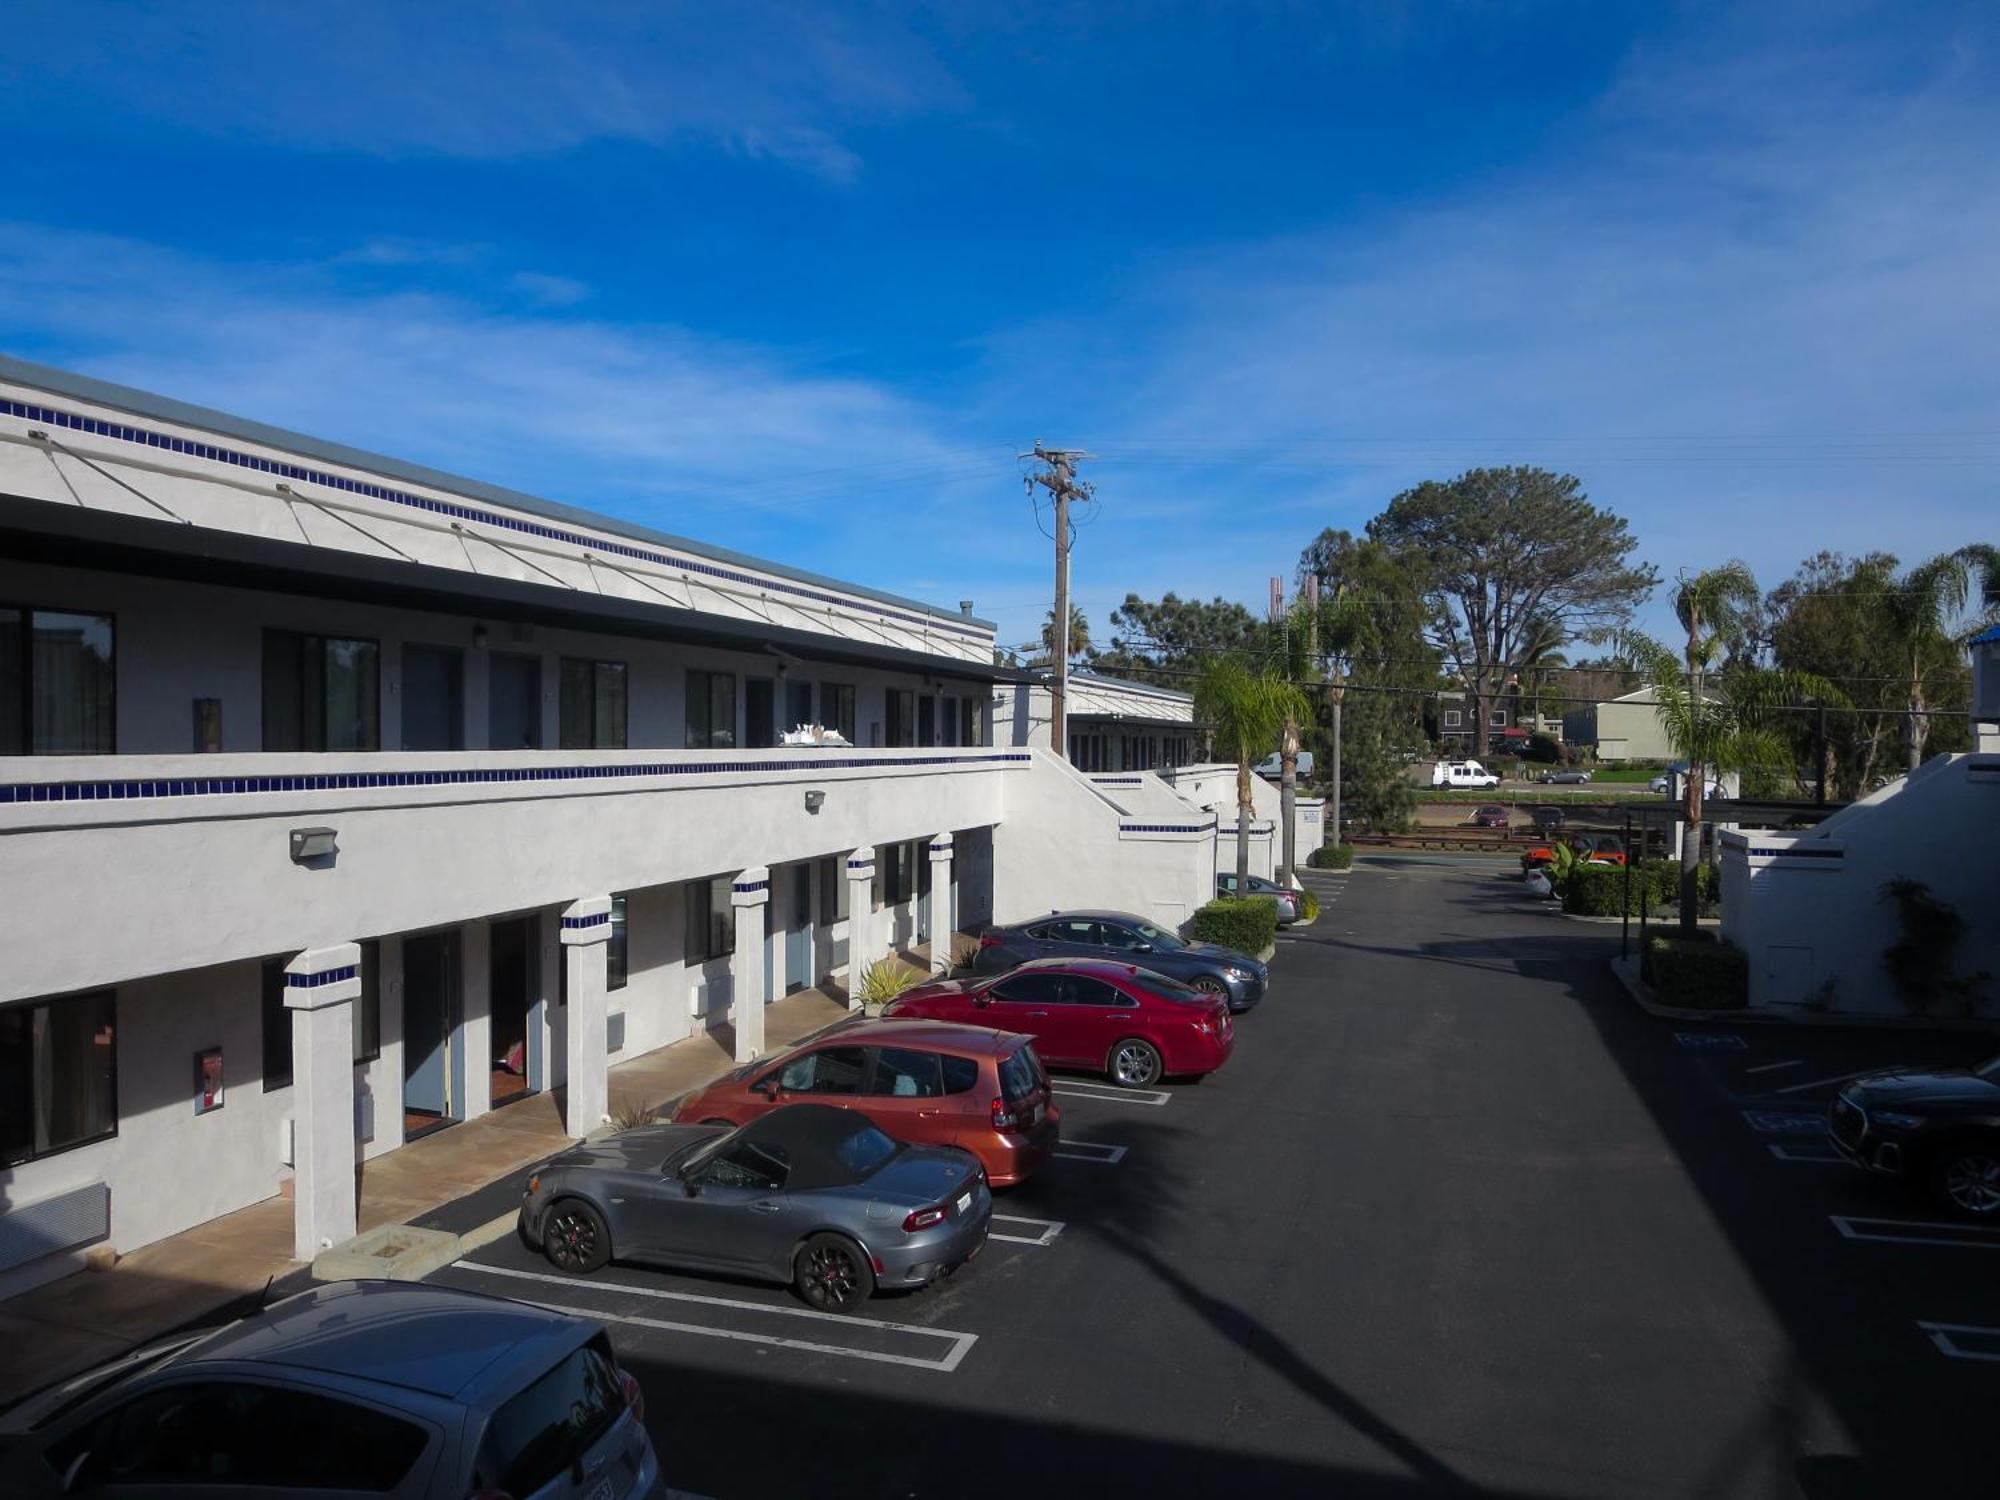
[[1456, 1219]]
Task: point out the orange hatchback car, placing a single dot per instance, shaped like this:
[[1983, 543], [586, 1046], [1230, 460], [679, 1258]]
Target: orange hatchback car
[[930, 1083]]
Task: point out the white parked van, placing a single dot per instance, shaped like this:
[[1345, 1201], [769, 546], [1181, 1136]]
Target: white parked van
[[1462, 773]]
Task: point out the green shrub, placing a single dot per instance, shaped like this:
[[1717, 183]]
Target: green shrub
[[1249, 924], [1697, 973], [1331, 857], [1600, 890], [885, 979]]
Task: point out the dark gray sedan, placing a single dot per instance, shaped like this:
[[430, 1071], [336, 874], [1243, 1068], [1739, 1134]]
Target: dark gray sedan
[[1290, 907], [809, 1194], [1120, 935], [361, 1387]]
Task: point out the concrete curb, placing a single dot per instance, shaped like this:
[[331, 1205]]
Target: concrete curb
[[487, 1233], [1626, 971], [394, 1252]]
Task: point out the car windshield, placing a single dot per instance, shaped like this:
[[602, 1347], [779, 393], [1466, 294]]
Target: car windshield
[[1161, 939]]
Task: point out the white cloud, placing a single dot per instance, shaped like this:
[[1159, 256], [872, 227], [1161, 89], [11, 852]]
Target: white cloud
[[762, 78], [714, 440], [1748, 298]]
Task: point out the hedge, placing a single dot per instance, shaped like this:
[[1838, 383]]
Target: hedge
[[1331, 857], [1600, 891], [1249, 924], [1697, 973]]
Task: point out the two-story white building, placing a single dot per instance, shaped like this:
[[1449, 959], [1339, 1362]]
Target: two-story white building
[[342, 800]]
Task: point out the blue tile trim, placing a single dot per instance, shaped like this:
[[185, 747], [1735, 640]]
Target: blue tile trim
[[1772, 853], [1164, 827], [1118, 780], [146, 437], [322, 978], [751, 885], [345, 781], [941, 848], [861, 864], [574, 924]]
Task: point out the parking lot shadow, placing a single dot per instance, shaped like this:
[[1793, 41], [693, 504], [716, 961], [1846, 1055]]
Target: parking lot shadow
[[1921, 1425], [838, 1441]]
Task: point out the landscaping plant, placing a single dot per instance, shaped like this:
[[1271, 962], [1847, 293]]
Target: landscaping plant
[[885, 979], [1249, 924]]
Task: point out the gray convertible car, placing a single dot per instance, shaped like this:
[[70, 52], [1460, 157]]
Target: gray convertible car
[[809, 1194]]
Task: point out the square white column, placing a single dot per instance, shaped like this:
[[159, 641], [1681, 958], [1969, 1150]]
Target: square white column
[[586, 928], [476, 1029], [750, 896], [321, 986], [944, 911], [862, 947]]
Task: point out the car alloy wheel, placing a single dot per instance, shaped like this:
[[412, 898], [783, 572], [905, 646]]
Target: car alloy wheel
[[1208, 984], [575, 1238], [832, 1275], [1135, 1064], [1972, 1179]]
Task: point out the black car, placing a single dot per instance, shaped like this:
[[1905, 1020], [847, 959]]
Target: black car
[[1939, 1129], [1548, 819], [1120, 935]]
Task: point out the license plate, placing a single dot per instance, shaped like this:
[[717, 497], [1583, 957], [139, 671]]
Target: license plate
[[964, 1202]]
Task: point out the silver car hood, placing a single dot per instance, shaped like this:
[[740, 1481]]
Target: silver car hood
[[644, 1149]]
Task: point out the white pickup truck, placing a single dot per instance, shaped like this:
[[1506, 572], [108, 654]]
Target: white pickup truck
[[1462, 773]]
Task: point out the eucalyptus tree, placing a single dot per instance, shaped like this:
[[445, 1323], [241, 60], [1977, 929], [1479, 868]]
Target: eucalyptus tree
[[1504, 552], [1246, 712]]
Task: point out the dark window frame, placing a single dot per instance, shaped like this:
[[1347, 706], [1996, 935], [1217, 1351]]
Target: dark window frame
[[368, 1005], [273, 1081], [702, 731], [110, 997], [713, 938], [295, 642], [618, 947], [25, 707], [839, 714], [570, 735]]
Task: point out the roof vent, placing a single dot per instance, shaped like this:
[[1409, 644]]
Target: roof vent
[[965, 608]]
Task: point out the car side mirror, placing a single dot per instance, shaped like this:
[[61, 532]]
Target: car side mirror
[[765, 1086], [982, 998], [1142, 947], [688, 1187]]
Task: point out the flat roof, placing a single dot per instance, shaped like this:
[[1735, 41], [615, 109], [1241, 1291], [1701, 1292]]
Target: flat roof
[[165, 409]]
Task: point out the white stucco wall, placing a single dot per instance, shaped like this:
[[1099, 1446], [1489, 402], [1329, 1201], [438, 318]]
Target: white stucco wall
[[1808, 908], [1066, 843]]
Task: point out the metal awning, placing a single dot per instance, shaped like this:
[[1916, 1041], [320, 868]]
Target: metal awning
[[37, 531]]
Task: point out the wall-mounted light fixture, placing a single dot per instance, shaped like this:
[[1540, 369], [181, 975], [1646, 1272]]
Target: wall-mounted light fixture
[[815, 800], [311, 844]]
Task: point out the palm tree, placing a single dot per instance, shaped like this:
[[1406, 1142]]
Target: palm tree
[[1079, 634], [1723, 725], [1246, 712], [1924, 612]]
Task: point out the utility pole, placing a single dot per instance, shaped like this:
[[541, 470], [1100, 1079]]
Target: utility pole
[[1058, 476]]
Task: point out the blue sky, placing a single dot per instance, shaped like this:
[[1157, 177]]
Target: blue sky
[[804, 279]]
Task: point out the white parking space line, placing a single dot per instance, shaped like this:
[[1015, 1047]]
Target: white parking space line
[[1820, 1083], [1917, 1232], [960, 1343], [1807, 1153], [1797, 1062], [1047, 1229], [1786, 1121], [1110, 1093], [1951, 1340], [1097, 1151]]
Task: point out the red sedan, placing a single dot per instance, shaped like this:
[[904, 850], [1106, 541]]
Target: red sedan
[[1133, 1025]]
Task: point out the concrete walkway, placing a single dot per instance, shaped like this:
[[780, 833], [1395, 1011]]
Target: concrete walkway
[[92, 1316]]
